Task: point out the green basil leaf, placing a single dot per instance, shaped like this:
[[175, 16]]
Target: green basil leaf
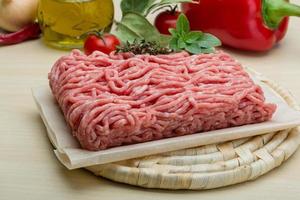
[[193, 36], [137, 6], [203, 44], [193, 48], [173, 44], [208, 50], [211, 39], [192, 41], [173, 32], [180, 43], [135, 26], [182, 25]]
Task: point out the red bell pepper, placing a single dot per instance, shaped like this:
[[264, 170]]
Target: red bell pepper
[[255, 25]]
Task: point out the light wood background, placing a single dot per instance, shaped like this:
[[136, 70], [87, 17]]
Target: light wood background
[[30, 170]]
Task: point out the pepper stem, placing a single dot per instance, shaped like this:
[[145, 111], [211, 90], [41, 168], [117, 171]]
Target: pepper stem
[[275, 10]]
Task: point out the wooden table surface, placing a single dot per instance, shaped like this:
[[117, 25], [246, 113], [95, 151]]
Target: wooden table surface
[[30, 170]]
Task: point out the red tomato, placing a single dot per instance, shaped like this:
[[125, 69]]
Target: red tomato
[[166, 20], [105, 43]]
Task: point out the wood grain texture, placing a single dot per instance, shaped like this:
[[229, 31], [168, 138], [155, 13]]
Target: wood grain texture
[[30, 170]]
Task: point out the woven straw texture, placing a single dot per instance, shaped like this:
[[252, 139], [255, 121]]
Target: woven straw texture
[[209, 166]]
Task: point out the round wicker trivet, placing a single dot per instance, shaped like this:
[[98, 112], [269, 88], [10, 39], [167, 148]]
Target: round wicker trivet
[[209, 166]]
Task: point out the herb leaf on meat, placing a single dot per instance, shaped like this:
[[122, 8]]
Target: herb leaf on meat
[[194, 42]]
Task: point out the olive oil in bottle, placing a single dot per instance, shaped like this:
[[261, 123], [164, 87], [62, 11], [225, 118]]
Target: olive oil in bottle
[[65, 23]]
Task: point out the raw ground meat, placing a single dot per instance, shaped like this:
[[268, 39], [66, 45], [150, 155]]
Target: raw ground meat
[[118, 99]]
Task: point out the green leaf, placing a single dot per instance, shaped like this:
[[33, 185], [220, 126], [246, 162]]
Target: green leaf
[[208, 50], [211, 40], [182, 25], [180, 43], [162, 3], [193, 36], [173, 32], [193, 48], [135, 26], [203, 44], [192, 41], [124, 33], [137, 6], [173, 44]]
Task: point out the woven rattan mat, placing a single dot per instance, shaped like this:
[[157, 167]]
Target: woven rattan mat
[[209, 166]]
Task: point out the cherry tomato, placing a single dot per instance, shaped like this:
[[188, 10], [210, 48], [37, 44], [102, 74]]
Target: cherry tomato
[[105, 43], [166, 20]]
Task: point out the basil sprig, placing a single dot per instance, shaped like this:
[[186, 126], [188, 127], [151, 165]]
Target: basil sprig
[[135, 27], [194, 42]]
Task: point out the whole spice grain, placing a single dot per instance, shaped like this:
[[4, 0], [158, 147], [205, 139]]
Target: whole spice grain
[[143, 47]]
